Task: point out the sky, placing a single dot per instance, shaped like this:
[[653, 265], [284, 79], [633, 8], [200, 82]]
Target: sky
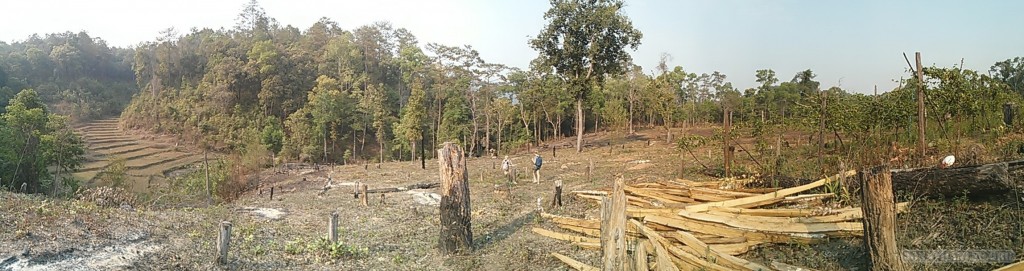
[[855, 45]]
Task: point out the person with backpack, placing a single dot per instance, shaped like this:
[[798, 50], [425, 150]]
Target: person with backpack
[[537, 162]]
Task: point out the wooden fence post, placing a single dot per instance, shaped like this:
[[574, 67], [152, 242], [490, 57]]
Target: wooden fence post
[[223, 242], [553, 148], [879, 210], [456, 232], [332, 227], [271, 192], [613, 228]]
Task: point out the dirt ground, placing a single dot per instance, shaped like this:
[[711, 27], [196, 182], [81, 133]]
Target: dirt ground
[[400, 231]]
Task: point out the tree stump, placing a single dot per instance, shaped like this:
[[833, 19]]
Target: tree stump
[[613, 228], [456, 233], [879, 209], [332, 228], [363, 196]]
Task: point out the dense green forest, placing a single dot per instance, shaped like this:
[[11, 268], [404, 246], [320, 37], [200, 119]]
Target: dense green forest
[[77, 75], [334, 95], [46, 84], [327, 94]]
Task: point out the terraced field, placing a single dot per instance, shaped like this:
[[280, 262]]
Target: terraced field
[[146, 157]]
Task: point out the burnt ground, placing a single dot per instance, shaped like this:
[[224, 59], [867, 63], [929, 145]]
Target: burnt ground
[[401, 232]]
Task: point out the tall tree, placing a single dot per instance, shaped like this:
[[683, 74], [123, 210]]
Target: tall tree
[[411, 126], [585, 40]]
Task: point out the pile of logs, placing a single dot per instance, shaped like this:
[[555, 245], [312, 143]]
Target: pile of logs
[[680, 224]]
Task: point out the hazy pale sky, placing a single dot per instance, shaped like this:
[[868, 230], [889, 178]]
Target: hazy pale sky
[[854, 44]]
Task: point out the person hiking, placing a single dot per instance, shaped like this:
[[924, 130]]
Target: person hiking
[[537, 162], [506, 165]]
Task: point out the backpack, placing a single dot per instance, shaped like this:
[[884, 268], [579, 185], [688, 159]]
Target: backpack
[[537, 162]]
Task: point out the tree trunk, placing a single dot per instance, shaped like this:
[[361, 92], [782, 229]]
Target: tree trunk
[[324, 160], [380, 139], [60, 159], [456, 231], [879, 209], [412, 150], [579, 123], [206, 165], [497, 145], [487, 131], [630, 120]]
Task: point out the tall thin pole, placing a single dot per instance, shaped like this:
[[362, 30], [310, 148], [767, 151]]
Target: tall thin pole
[[920, 106]]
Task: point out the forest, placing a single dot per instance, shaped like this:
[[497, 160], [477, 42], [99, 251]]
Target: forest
[[330, 95]]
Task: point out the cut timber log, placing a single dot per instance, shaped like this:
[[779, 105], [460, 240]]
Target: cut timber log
[[1019, 266], [694, 225], [565, 237], [798, 212], [767, 198], [688, 260], [844, 229], [640, 256], [574, 263], [404, 188], [949, 182], [703, 250]]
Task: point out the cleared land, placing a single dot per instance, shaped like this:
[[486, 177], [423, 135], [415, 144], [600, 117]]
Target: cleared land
[[400, 232], [145, 157]]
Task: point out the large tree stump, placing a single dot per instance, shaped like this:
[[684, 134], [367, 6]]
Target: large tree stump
[[613, 228], [879, 209], [456, 234]]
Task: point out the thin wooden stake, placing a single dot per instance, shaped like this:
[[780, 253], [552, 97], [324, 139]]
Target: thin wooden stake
[[223, 242], [557, 201]]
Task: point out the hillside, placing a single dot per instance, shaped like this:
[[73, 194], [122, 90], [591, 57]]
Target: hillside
[[143, 159]]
